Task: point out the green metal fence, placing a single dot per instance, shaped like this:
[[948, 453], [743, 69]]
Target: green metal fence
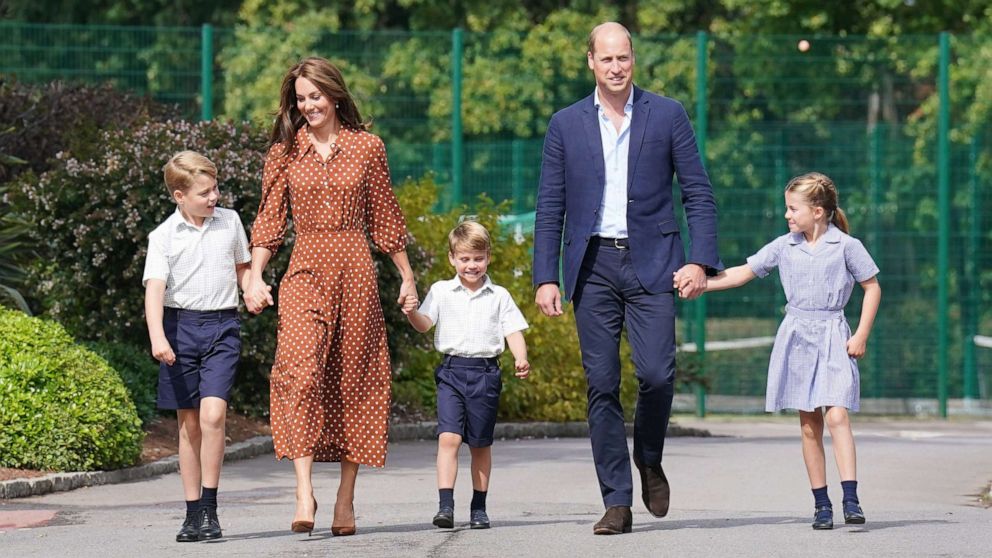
[[896, 122]]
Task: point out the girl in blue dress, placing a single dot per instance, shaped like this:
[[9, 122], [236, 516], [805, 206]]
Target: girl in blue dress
[[813, 366]]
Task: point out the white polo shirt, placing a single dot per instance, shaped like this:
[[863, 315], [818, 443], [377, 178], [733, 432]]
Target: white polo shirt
[[198, 263], [471, 324]]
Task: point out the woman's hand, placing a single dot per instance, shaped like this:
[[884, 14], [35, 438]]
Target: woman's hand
[[408, 298], [257, 296]]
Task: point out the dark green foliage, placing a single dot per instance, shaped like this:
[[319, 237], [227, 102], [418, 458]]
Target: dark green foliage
[[39, 121], [61, 406], [137, 369]]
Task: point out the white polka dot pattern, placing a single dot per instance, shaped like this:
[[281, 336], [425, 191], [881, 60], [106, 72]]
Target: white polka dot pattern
[[330, 384]]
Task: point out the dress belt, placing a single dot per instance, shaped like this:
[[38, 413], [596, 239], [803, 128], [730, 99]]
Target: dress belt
[[814, 314]]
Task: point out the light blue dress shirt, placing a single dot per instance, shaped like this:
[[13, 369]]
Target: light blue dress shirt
[[612, 220]]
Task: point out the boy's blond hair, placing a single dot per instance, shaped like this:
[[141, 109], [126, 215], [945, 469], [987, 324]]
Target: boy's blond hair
[[184, 167], [468, 236]]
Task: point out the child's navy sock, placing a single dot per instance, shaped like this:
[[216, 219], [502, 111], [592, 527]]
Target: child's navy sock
[[820, 495], [208, 497], [446, 497], [850, 491], [192, 506], [478, 500]]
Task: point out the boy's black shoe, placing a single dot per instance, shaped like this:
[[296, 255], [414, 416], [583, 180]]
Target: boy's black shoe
[[209, 525], [823, 518], [479, 520], [190, 531], [445, 517], [853, 513]]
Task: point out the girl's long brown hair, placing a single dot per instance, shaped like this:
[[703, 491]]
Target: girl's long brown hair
[[819, 191], [331, 83]]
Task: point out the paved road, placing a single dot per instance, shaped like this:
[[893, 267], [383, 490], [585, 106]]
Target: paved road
[[742, 492]]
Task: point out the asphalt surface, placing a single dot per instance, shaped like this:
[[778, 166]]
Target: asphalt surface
[[742, 492]]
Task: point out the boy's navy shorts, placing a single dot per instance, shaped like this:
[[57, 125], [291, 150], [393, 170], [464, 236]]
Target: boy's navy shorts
[[467, 398], [207, 347]]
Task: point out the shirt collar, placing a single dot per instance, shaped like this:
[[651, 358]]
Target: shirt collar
[[627, 107], [487, 285], [304, 144], [832, 236], [179, 221]]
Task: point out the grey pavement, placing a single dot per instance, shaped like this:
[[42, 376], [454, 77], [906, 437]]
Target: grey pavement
[[742, 492]]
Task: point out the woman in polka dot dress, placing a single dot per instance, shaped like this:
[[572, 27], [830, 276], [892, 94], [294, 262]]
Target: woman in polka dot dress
[[330, 384]]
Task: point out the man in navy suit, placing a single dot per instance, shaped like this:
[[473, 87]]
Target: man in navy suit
[[606, 199]]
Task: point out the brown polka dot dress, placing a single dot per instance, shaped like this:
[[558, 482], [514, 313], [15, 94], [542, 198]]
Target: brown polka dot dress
[[330, 384]]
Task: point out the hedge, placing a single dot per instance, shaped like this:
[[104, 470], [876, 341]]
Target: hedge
[[62, 407]]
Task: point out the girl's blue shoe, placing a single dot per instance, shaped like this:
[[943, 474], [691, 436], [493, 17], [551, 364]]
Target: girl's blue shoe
[[823, 518]]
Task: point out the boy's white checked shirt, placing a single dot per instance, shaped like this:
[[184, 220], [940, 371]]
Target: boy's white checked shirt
[[471, 324], [198, 265]]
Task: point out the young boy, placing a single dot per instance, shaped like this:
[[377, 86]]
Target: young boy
[[472, 317], [196, 261]]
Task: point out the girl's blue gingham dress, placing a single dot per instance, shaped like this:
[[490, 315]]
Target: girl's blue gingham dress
[[809, 367]]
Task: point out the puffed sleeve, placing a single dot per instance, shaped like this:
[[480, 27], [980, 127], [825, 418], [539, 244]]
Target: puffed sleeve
[[383, 216], [767, 258], [270, 223], [859, 261]]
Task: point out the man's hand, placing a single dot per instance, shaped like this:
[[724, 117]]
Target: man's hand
[[690, 281], [548, 299]]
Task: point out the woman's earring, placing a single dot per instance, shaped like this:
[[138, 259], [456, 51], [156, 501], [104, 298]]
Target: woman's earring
[[336, 105]]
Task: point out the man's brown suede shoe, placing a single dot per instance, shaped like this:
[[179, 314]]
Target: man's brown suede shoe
[[655, 490], [617, 520]]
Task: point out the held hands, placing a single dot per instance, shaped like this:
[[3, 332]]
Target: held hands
[[162, 351], [257, 296], [408, 299], [523, 368], [856, 346], [690, 281]]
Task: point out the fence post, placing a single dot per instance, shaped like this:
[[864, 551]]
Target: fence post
[[702, 126], [457, 142], [970, 307], [517, 174], [944, 217], [875, 195], [206, 72]]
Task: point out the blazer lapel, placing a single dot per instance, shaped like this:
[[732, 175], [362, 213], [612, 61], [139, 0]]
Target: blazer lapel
[[594, 139], [638, 123]]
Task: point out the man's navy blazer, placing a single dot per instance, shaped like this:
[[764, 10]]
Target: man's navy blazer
[[573, 177]]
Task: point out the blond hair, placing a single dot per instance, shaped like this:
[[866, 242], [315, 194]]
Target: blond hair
[[818, 190], [183, 168], [591, 41], [468, 236]]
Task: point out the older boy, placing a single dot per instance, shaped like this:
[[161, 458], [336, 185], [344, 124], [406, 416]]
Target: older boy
[[472, 317], [196, 261]]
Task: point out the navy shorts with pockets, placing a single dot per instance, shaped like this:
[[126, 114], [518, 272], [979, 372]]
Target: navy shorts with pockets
[[207, 346], [468, 397]]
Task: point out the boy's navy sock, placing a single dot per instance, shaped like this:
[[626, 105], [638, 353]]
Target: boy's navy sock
[[478, 500], [850, 491], [820, 495], [208, 497], [446, 497], [192, 506]]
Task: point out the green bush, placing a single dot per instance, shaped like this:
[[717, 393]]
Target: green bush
[[91, 242], [61, 406], [137, 369]]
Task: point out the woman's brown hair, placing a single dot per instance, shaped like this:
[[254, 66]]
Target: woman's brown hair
[[328, 79]]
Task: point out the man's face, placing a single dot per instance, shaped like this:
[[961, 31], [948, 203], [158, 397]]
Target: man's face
[[612, 62]]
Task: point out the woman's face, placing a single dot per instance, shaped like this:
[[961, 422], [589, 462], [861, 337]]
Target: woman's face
[[316, 107]]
